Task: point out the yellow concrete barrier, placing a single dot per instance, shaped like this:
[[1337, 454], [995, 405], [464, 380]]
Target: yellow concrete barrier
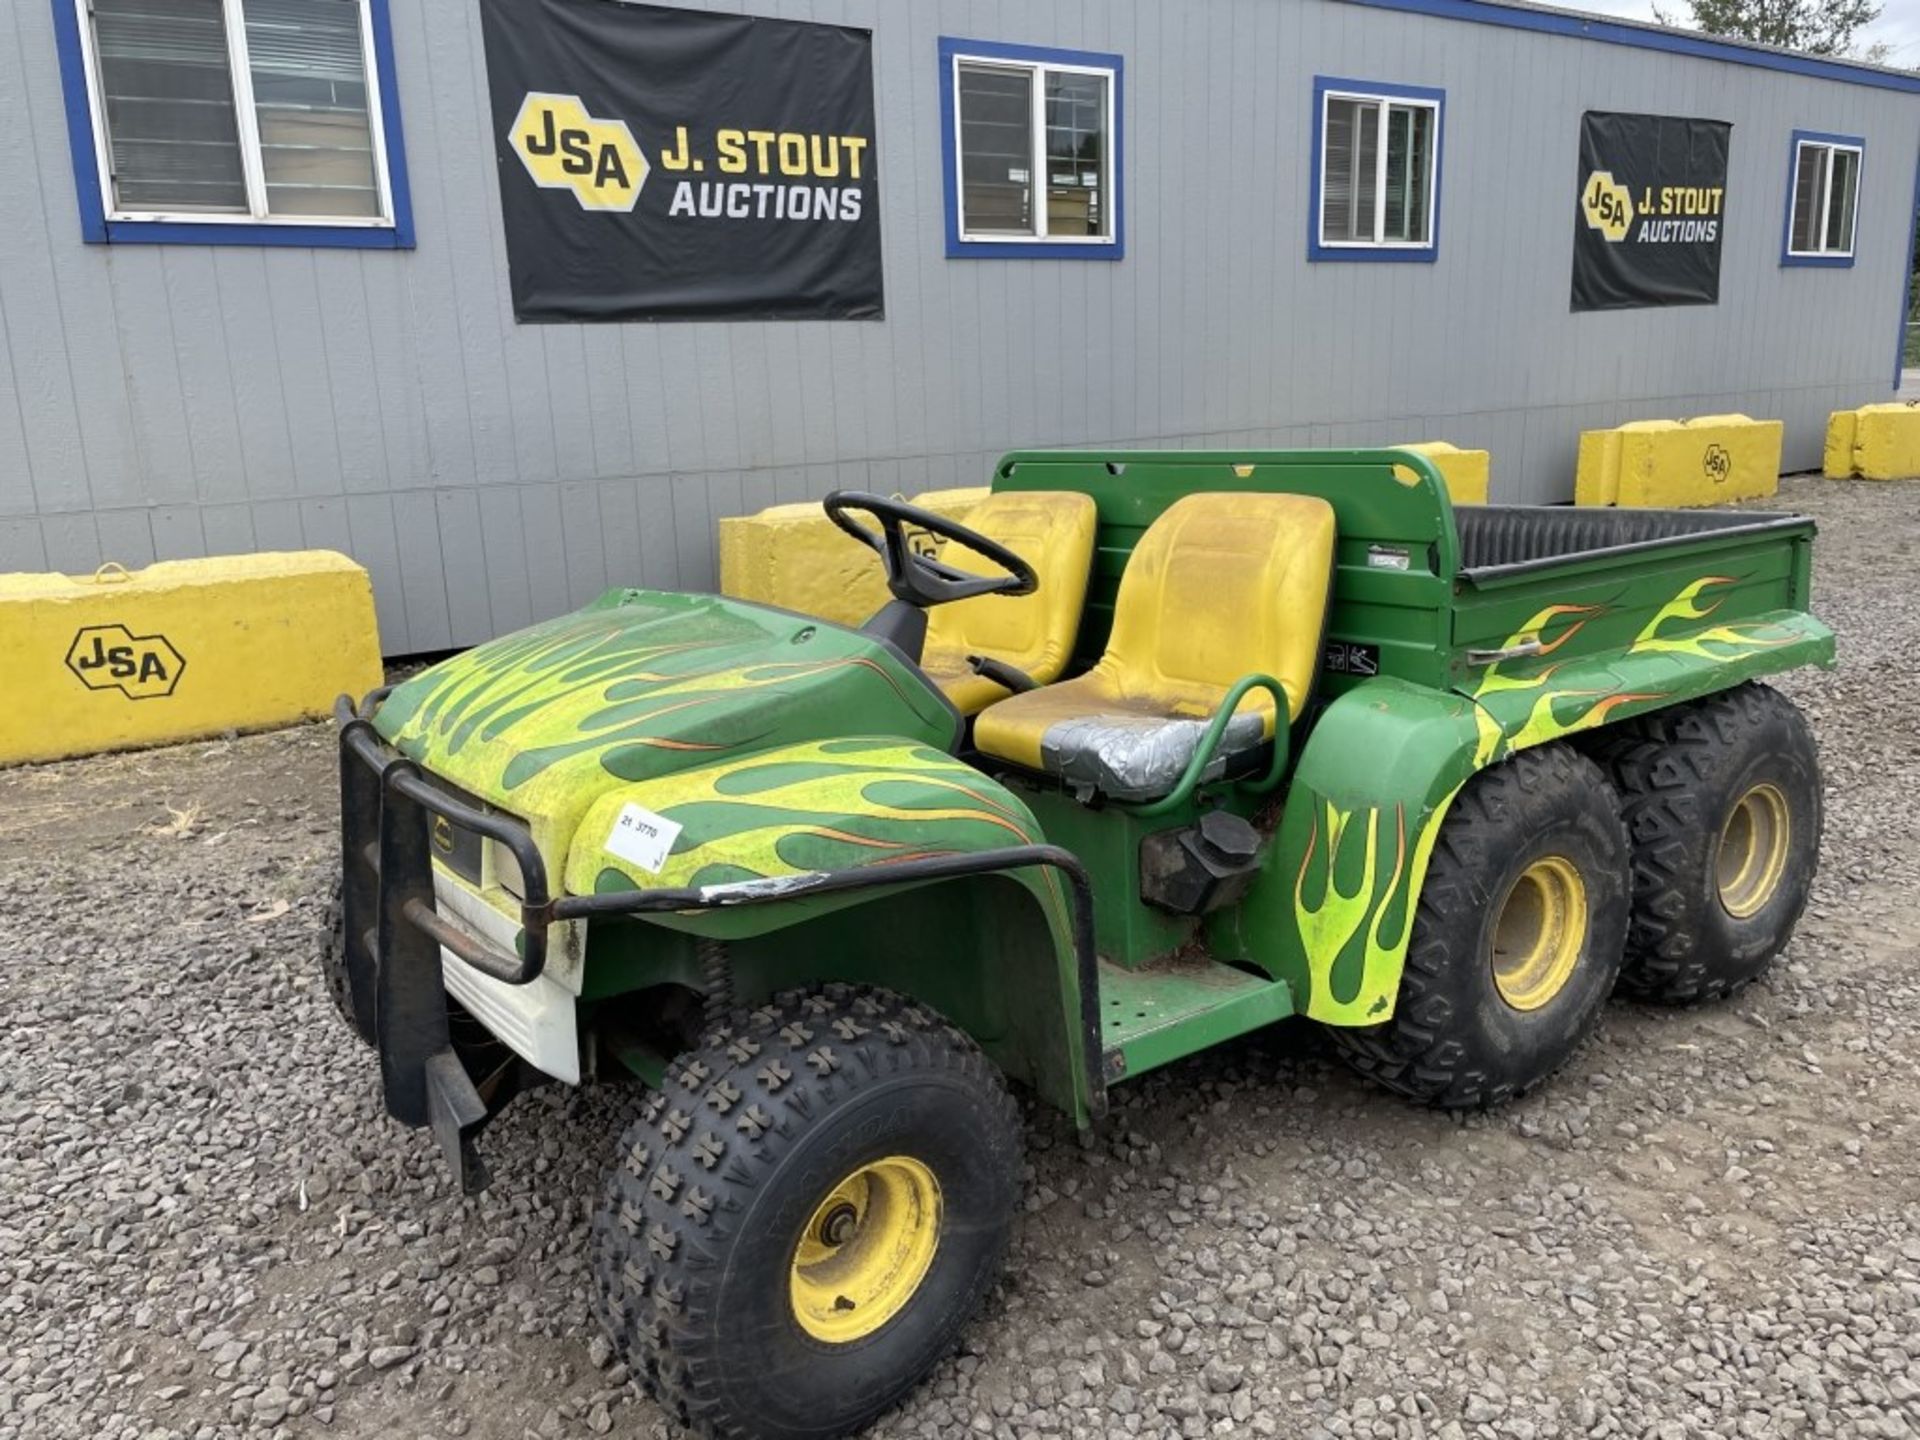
[[1660, 463], [181, 649], [1874, 442], [1465, 471], [794, 557]]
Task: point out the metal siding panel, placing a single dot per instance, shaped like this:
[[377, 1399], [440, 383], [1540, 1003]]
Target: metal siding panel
[[373, 541], [276, 525], [72, 543], [503, 542], [229, 529], [693, 532], [201, 358], [620, 532], [659, 541], [21, 547], [83, 295], [259, 393], [686, 448], [150, 361], [297, 315], [16, 473], [126, 537], [395, 370], [560, 385], [586, 562], [324, 526], [416, 533], [607, 399], [469, 611], [547, 558], [177, 534], [346, 347], [429, 352]]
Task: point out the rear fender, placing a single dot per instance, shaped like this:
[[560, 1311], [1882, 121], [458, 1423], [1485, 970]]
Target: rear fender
[[1332, 909], [995, 956]]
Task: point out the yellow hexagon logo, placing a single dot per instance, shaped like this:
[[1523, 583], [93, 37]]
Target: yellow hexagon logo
[[565, 148], [1608, 206]]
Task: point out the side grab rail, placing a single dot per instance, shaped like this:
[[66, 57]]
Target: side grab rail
[[1210, 744]]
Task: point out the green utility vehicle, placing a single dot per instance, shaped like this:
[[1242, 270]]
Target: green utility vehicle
[[1158, 749]]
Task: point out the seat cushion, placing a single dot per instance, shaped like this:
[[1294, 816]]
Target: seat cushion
[[1095, 740], [1221, 586], [1052, 530]]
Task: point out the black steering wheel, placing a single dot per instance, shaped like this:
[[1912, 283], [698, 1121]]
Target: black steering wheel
[[923, 580]]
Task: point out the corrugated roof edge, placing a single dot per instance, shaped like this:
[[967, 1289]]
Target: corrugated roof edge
[[1608, 30]]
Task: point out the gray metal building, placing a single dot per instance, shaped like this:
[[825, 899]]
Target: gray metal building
[[204, 396]]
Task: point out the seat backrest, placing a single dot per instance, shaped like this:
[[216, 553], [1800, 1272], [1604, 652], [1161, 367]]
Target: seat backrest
[[1221, 585], [1052, 530]]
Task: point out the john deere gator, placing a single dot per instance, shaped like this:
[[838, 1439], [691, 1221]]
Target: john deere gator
[[1156, 750]]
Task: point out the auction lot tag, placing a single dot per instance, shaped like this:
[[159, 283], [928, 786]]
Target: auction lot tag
[[642, 838]]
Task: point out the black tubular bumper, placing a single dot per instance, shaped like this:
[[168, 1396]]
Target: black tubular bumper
[[394, 933]]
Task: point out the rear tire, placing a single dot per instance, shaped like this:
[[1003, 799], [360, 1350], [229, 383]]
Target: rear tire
[[806, 1215], [1722, 801], [1516, 941]]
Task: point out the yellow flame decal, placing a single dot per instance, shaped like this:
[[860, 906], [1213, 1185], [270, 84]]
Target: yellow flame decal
[[1330, 926]]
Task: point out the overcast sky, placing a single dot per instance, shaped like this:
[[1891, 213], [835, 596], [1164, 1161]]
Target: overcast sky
[[1898, 25]]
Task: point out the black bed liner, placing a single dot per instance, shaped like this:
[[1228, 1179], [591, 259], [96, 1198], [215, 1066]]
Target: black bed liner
[[1500, 540]]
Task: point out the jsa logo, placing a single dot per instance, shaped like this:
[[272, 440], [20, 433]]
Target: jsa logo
[[565, 148], [110, 657], [1608, 206]]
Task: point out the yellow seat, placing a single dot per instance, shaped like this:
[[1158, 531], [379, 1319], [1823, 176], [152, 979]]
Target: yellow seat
[[1052, 530], [1220, 586]]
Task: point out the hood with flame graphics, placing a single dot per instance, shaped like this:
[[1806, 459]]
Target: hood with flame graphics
[[544, 722], [1361, 865], [820, 805]]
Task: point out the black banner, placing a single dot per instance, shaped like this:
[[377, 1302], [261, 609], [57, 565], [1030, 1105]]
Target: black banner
[[674, 164], [1650, 212]]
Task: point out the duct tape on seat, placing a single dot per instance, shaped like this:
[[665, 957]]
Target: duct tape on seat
[[1138, 757]]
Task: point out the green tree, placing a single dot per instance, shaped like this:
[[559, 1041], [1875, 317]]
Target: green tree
[[1816, 27]]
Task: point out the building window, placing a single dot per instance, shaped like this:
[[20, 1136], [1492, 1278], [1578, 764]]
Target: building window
[[1823, 190], [234, 121], [1376, 172], [1032, 162]]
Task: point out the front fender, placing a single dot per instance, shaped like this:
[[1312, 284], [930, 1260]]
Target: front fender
[[833, 806], [1333, 907]]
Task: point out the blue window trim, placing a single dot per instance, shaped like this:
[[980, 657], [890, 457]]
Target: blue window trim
[[1391, 254], [1820, 262], [1650, 37], [1906, 276], [97, 229], [962, 249]]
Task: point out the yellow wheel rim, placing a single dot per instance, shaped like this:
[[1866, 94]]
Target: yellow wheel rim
[[1539, 932], [1753, 851], [865, 1250]]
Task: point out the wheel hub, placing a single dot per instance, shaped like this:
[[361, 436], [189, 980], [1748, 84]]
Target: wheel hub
[[1539, 933], [1752, 855], [865, 1250]]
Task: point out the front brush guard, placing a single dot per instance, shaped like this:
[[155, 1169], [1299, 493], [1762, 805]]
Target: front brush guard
[[394, 934]]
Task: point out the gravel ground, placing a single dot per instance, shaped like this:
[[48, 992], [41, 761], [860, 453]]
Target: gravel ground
[[1708, 1225]]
